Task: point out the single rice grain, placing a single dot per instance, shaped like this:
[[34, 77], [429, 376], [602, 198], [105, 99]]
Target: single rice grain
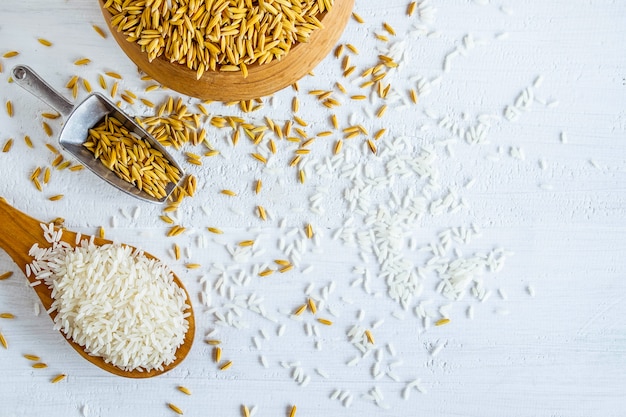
[[82, 61], [6, 275], [175, 408], [58, 378], [99, 31], [7, 145]]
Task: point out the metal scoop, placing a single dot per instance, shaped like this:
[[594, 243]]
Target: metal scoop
[[79, 119]]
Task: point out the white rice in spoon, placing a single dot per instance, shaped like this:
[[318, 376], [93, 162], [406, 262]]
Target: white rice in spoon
[[112, 300]]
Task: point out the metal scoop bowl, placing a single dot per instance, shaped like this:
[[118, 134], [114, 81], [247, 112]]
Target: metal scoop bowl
[[84, 116]]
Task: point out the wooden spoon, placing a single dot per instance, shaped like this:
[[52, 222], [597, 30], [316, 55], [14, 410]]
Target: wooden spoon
[[262, 80], [19, 232]]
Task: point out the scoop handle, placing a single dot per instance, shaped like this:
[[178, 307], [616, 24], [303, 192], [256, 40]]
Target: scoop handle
[[28, 79]]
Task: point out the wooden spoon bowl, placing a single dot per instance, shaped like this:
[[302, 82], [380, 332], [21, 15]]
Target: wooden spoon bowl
[[262, 80], [19, 232]]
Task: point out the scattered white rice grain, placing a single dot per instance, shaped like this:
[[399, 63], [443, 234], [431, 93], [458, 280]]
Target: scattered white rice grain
[[414, 383], [398, 315], [124, 214], [502, 293], [420, 388], [361, 315], [406, 392], [344, 394], [594, 164], [236, 211], [437, 349], [393, 376], [353, 361], [506, 10], [531, 290], [502, 36], [264, 334], [517, 153], [542, 164], [253, 410]]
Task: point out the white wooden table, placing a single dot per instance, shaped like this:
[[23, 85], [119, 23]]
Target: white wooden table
[[547, 182]]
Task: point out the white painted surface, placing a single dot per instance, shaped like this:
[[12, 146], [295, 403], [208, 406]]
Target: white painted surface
[[559, 353]]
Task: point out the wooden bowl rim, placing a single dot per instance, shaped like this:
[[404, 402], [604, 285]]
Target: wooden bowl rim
[[263, 79]]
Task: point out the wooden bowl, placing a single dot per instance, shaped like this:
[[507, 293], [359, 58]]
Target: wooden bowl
[[262, 80]]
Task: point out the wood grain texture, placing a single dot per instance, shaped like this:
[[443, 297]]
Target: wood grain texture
[[19, 232], [262, 80]]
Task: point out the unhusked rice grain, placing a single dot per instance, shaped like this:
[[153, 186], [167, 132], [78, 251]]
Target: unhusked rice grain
[[226, 35], [6, 275], [131, 158], [58, 378]]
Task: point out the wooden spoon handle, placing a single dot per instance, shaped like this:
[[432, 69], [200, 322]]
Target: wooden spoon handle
[[18, 233]]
